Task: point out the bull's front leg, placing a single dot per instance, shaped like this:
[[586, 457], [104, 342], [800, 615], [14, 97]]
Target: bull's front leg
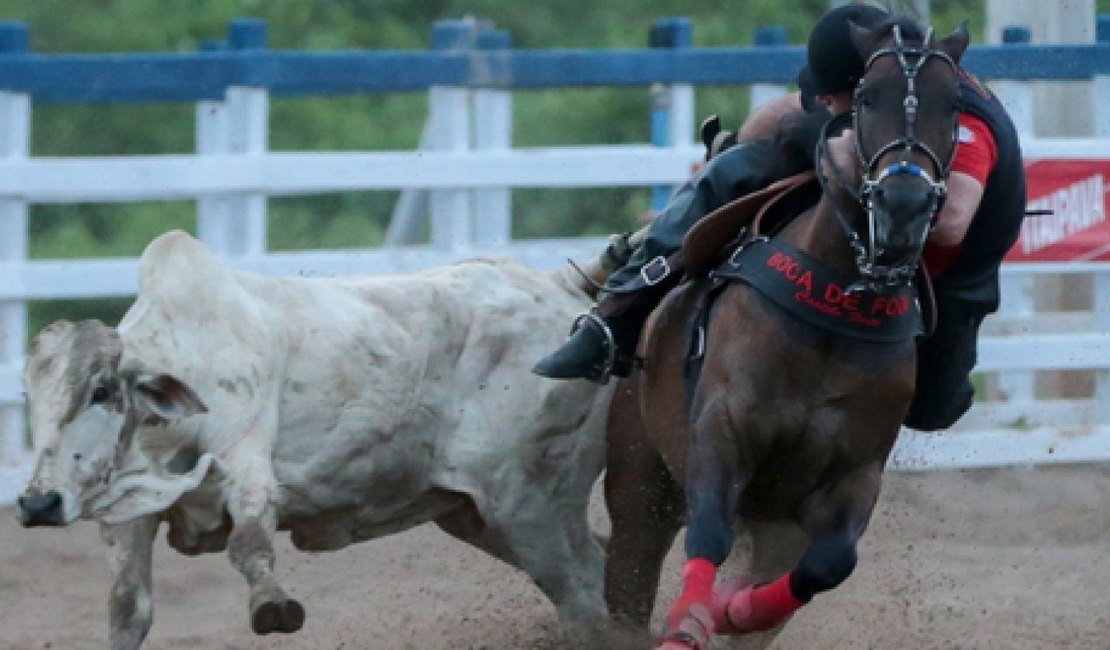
[[250, 547], [130, 607]]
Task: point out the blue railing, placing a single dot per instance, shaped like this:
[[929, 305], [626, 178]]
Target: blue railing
[[459, 59]]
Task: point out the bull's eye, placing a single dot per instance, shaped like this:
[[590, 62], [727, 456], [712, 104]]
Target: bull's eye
[[101, 394]]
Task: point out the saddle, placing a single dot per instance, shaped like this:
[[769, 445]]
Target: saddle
[[712, 238], [709, 241]]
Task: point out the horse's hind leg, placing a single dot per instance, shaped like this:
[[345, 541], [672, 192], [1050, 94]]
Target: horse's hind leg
[[645, 509], [835, 519]]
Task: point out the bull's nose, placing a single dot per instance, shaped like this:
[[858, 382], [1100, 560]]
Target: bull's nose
[[41, 509]]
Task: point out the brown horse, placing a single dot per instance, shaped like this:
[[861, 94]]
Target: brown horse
[[774, 388]]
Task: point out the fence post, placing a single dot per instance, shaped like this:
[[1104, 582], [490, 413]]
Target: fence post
[[235, 225], [672, 105], [1100, 87], [493, 130], [15, 139], [1017, 96], [449, 130], [1018, 290], [1100, 94], [767, 36]]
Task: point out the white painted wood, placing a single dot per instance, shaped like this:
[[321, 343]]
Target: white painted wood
[[681, 120], [1018, 298], [1017, 97], [233, 224], [449, 117], [1102, 322], [15, 139], [170, 177], [763, 94], [492, 131], [1100, 98], [917, 450]]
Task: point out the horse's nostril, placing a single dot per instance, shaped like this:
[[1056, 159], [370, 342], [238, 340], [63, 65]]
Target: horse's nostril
[[40, 509]]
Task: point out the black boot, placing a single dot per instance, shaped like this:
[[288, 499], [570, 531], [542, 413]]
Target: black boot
[[589, 353]]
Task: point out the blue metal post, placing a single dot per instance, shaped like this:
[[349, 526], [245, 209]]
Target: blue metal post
[[14, 37], [668, 33], [247, 34], [1016, 34]]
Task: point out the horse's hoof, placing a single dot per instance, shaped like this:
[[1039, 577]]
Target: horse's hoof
[[680, 641], [690, 629], [723, 595], [277, 616]]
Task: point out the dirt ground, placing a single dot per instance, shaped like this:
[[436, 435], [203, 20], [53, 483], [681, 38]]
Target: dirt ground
[[1011, 559]]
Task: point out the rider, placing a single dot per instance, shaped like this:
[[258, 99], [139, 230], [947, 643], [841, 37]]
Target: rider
[[977, 225]]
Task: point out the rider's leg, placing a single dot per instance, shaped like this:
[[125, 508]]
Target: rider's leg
[[944, 362], [612, 330]]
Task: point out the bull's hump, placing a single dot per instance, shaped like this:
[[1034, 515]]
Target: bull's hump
[[176, 255]]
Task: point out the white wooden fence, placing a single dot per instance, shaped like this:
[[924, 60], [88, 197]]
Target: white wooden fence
[[469, 175]]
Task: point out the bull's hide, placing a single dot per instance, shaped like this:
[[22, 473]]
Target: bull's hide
[[231, 404]]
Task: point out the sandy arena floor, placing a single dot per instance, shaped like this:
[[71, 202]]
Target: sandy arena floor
[[1009, 559]]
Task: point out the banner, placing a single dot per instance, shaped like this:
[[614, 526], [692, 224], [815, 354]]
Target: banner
[[1077, 229]]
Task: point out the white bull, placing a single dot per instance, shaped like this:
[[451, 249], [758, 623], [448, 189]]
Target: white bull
[[231, 405]]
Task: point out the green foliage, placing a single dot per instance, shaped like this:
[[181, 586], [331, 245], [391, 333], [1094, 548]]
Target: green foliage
[[371, 122]]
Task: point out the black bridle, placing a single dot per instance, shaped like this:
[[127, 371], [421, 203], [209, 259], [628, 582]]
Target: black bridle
[[911, 58]]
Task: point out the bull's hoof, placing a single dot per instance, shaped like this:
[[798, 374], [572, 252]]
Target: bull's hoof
[[277, 616]]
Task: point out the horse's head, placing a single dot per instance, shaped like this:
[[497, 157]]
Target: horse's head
[[905, 110]]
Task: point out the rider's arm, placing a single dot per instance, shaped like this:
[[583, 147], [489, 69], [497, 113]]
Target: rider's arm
[[764, 121], [976, 154]]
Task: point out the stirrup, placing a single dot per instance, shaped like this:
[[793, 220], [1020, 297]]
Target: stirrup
[[605, 371]]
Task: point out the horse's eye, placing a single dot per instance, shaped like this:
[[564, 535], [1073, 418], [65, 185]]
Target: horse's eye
[[100, 394]]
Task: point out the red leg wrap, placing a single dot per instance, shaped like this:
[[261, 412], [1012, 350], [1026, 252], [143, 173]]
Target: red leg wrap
[[689, 623], [755, 609]]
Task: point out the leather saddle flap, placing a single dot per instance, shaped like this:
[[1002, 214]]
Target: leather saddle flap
[[711, 236]]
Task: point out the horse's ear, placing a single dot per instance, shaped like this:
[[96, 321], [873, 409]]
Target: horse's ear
[[863, 38], [955, 44]]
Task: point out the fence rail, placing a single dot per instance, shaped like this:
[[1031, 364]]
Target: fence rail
[[467, 173]]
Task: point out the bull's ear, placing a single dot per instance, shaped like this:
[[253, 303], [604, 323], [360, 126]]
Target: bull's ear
[[166, 397]]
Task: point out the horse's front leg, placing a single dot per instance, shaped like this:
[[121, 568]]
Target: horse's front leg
[[714, 481], [250, 545], [835, 518], [130, 607]]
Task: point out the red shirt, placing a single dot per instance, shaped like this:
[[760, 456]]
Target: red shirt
[[976, 151], [976, 154]]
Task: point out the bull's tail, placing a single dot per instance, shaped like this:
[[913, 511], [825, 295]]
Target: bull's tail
[[591, 275]]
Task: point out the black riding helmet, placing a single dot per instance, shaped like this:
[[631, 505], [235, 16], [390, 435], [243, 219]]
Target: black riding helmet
[[832, 63]]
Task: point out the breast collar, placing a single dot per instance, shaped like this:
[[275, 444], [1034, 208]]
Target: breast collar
[[804, 288]]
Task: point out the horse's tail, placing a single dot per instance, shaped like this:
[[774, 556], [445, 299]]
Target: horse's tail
[[591, 275]]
